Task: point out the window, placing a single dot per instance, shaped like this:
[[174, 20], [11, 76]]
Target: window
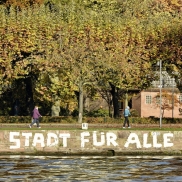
[[180, 98], [157, 100], [171, 101], [148, 99]]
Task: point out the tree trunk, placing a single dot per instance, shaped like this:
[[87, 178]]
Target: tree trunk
[[110, 110], [55, 109], [29, 95], [126, 100], [80, 103], [114, 93]]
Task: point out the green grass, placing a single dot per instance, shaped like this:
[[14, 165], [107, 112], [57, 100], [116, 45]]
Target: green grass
[[92, 129]]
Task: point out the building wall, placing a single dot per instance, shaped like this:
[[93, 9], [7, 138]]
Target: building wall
[[136, 103], [147, 110], [85, 142]]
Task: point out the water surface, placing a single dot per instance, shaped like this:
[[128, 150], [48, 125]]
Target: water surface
[[109, 169]]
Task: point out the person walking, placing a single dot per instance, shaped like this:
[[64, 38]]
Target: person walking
[[126, 114], [36, 116]]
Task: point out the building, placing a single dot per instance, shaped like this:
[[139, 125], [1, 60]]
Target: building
[[147, 102]]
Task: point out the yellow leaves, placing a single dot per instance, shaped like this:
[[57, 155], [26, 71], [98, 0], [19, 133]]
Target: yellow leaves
[[176, 2], [85, 39]]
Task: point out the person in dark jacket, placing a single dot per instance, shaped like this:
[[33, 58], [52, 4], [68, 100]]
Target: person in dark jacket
[[126, 113], [35, 117]]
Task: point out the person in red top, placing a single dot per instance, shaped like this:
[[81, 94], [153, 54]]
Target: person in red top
[[36, 116]]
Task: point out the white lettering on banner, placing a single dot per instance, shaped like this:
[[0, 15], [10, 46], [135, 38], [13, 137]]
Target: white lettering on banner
[[145, 139], [98, 138], [102, 142], [64, 136], [54, 136], [51, 136], [166, 139], [155, 144], [16, 141], [111, 137], [83, 140], [27, 138], [133, 138], [38, 138]]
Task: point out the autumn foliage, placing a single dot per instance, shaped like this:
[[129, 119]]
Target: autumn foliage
[[21, 3], [72, 47]]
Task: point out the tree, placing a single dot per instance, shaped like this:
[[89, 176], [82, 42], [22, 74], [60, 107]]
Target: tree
[[168, 101], [21, 4], [124, 60], [26, 44], [105, 45]]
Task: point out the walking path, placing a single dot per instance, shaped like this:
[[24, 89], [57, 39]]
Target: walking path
[[90, 126]]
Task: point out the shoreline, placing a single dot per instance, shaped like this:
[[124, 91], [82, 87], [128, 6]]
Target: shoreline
[[93, 142]]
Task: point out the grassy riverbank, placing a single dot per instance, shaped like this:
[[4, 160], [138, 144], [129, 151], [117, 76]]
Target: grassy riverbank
[[95, 126]]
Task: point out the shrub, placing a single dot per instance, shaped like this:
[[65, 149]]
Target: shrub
[[98, 113], [74, 113], [87, 119], [134, 113]]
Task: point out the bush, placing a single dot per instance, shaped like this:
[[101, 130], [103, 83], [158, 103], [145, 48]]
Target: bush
[[98, 113], [74, 113], [134, 113], [87, 119]]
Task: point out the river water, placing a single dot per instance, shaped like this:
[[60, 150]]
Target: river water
[[96, 169]]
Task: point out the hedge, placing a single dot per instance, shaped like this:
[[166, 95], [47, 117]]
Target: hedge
[[70, 119]]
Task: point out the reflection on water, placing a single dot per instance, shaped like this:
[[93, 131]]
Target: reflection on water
[[39, 168]]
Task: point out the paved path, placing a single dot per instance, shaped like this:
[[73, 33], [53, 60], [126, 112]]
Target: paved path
[[90, 126]]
